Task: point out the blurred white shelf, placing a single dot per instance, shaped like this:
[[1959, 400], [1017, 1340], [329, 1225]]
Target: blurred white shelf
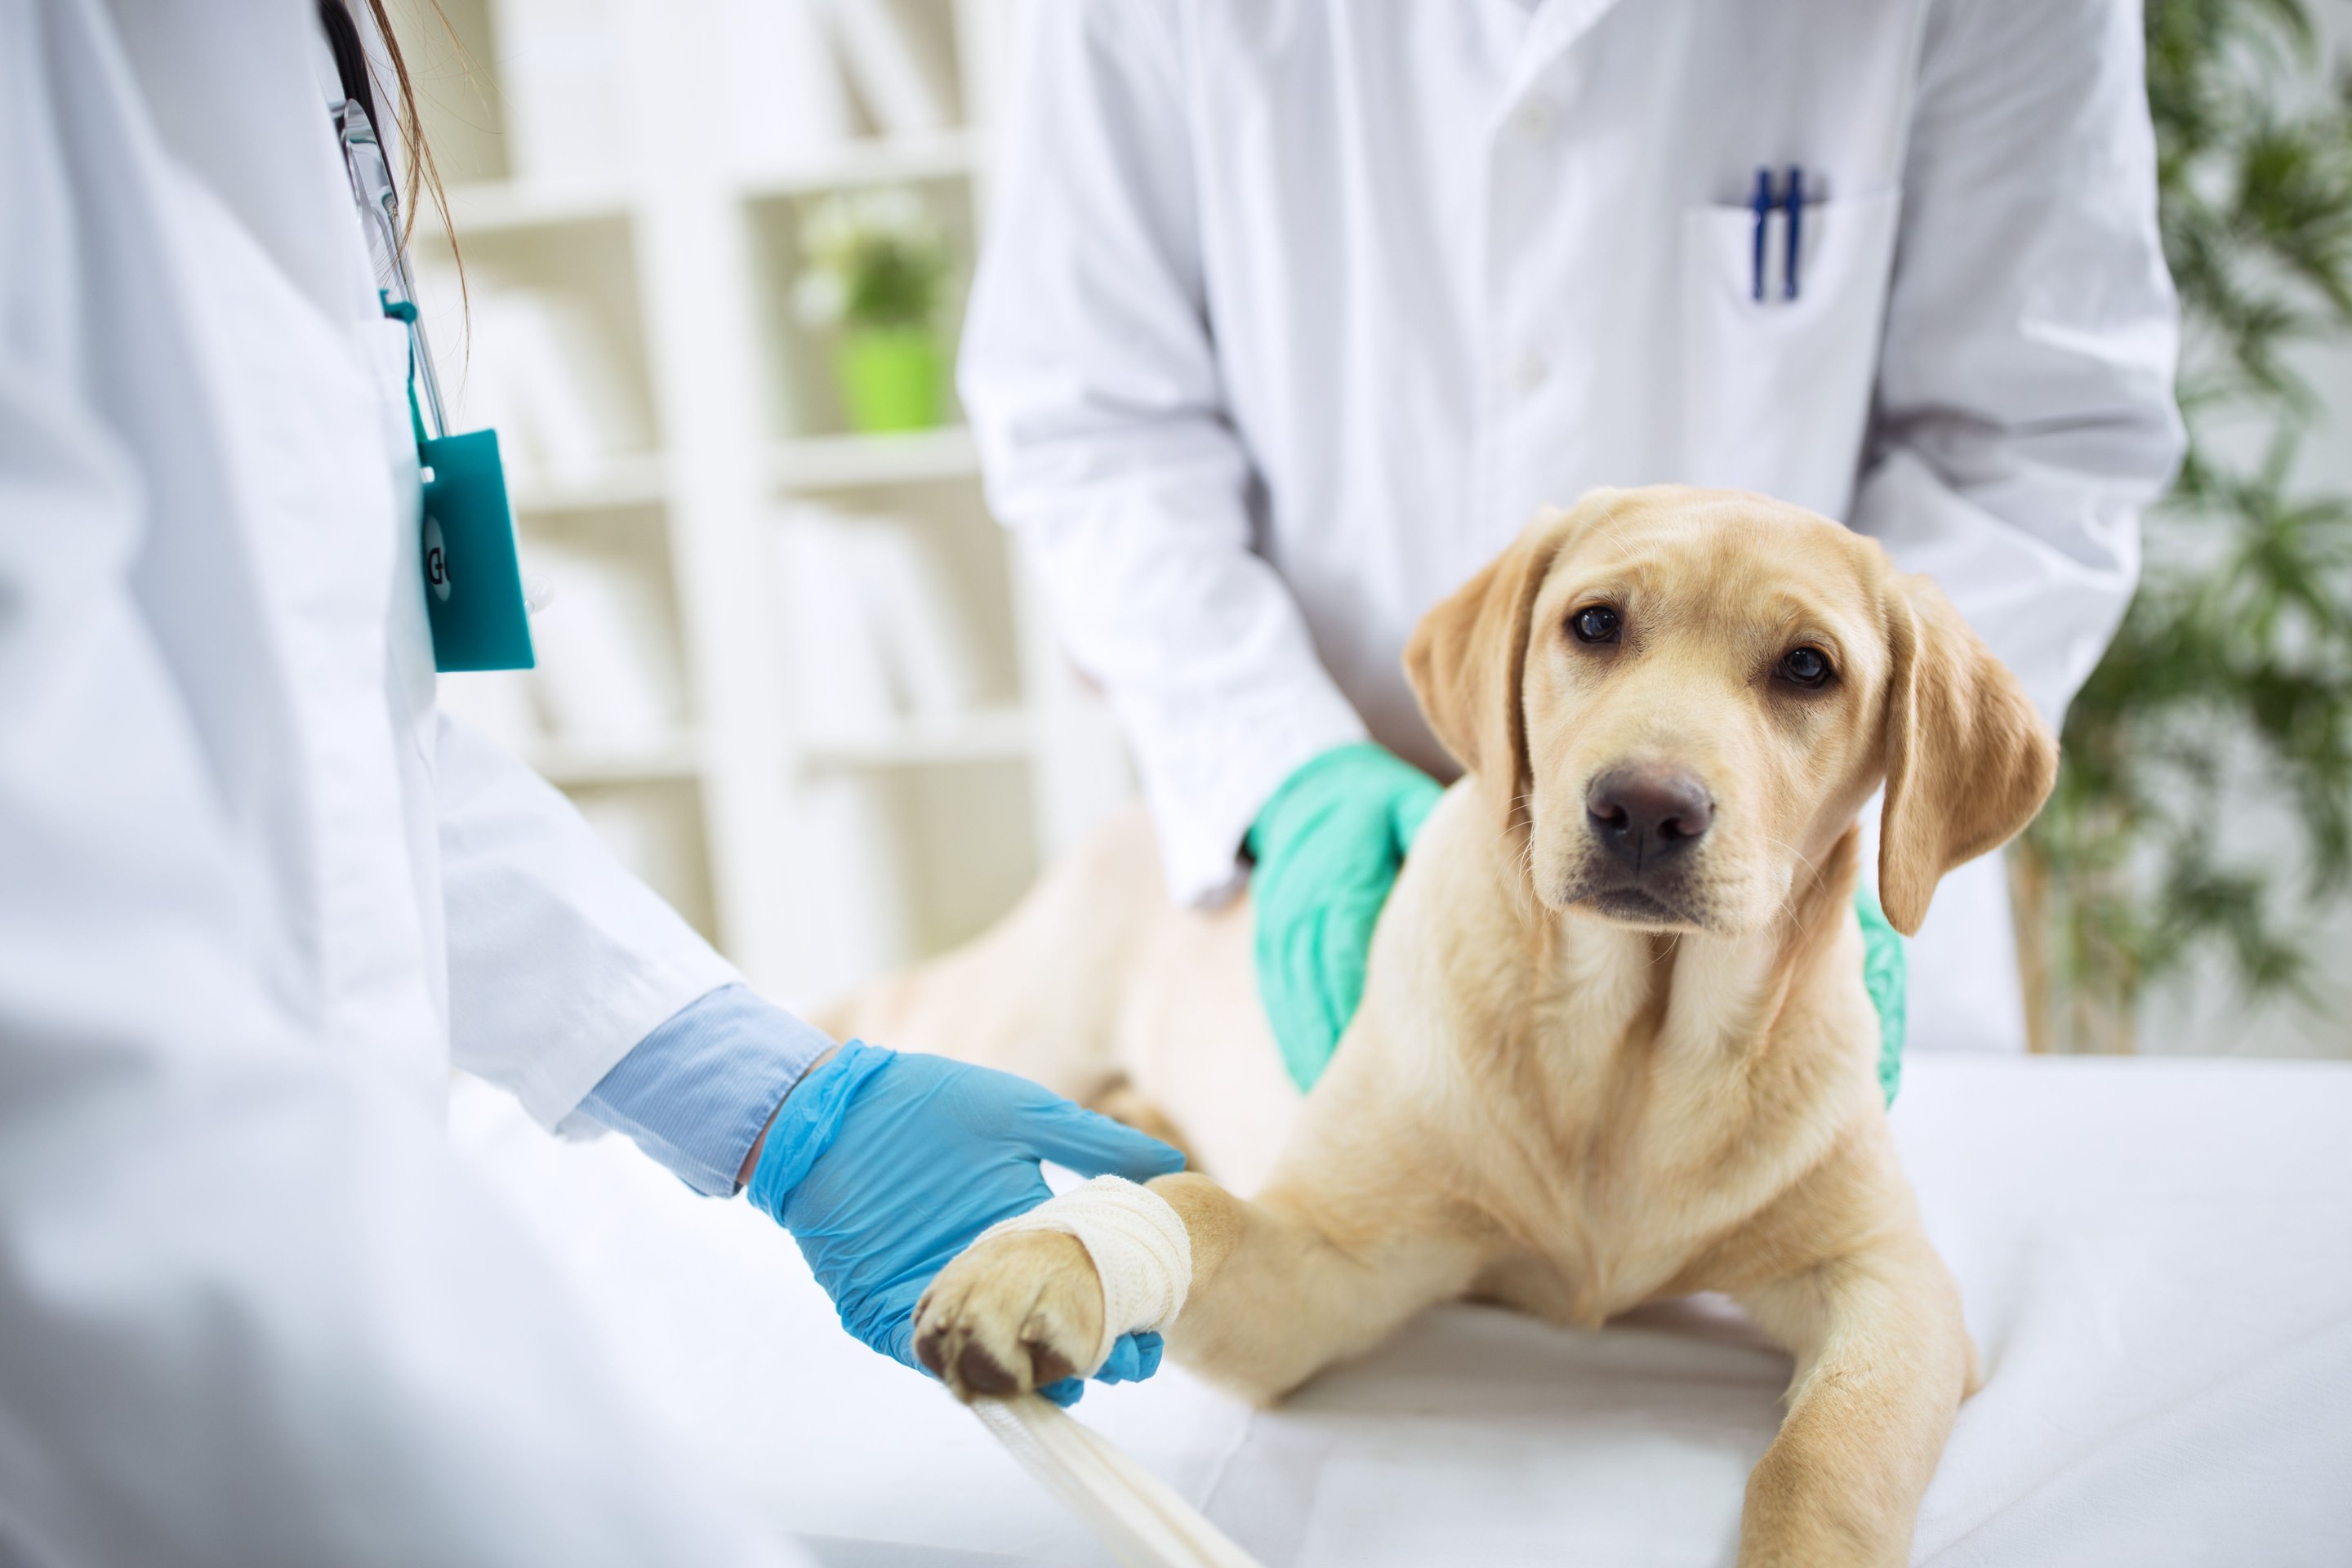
[[985, 736], [635, 479], [492, 207], [844, 462], [576, 762], [670, 249], [878, 161]]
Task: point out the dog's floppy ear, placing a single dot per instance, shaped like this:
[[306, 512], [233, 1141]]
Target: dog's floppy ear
[[1968, 760], [1467, 655]]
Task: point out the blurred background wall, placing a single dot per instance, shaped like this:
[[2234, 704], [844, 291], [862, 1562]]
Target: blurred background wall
[[2211, 1015], [2185, 890], [2205, 1010], [713, 259]]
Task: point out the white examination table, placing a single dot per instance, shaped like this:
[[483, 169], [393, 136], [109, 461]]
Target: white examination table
[[2158, 1264]]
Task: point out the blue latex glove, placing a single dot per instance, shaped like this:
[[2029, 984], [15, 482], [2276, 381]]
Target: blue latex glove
[[884, 1167]]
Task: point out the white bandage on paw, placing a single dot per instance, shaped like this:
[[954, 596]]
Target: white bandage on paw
[[1141, 1253]]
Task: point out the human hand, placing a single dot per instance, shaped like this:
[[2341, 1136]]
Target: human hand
[[884, 1167], [1328, 847]]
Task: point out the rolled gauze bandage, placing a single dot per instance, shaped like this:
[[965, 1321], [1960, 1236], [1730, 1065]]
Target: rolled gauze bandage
[[1141, 1250], [1139, 1516]]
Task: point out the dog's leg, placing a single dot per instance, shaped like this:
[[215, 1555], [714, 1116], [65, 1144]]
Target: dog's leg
[[1282, 1286], [1302, 1276], [1882, 1362]]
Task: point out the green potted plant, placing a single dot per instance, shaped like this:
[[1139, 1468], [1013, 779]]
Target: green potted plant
[[874, 268], [2228, 690]]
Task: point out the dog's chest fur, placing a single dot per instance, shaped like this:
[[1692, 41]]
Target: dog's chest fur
[[1620, 1105]]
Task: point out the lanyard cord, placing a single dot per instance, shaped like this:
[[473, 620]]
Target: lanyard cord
[[379, 198], [403, 311], [371, 184]]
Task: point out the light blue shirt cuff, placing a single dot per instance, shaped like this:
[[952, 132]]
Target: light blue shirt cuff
[[695, 1092]]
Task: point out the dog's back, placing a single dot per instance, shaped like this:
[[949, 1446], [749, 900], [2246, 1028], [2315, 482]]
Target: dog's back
[[1099, 988]]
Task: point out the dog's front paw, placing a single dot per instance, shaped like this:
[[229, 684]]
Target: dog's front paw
[[1012, 1314]]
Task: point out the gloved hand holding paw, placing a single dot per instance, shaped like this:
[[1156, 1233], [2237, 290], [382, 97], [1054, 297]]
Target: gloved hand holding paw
[[884, 1167]]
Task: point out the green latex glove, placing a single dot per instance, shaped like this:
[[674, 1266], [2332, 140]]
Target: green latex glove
[[1885, 974], [1328, 847]]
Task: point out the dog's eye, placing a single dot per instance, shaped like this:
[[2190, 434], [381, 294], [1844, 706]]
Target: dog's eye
[[1806, 666], [1596, 623]]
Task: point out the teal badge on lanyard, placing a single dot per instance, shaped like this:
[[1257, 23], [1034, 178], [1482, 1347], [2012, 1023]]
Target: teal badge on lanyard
[[473, 583]]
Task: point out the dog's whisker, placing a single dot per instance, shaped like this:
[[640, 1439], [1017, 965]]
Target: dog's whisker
[[1789, 909], [1801, 858]]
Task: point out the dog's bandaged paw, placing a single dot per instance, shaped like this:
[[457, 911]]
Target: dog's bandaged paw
[[1142, 1254], [1023, 1307]]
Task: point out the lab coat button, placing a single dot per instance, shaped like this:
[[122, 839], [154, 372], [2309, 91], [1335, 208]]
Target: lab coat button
[[1534, 119], [1529, 371]]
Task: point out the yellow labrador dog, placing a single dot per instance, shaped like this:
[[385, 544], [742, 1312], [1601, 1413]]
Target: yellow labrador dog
[[1614, 1043]]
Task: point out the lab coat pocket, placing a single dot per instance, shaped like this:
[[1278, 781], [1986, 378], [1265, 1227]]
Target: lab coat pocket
[[1776, 392]]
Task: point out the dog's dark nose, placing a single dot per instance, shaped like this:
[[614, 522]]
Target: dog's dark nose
[[1645, 814]]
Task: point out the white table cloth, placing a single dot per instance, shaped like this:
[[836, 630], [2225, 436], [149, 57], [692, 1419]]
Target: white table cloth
[[2156, 1259]]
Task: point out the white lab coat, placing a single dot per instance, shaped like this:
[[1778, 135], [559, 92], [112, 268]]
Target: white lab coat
[[1294, 311], [254, 894]]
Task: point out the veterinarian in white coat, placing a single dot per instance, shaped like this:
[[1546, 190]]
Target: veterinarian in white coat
[[1294, 311], [256, 896]]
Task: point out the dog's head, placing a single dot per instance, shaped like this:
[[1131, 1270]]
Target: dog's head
[[1679, 699]]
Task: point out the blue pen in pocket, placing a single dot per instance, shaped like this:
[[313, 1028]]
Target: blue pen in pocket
[[1796, 222], [1764, 203], [1760, 204]]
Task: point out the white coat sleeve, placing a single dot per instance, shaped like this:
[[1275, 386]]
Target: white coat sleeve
[[2024, 412], [559, 960], [1089, 371], [251, 1309]]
